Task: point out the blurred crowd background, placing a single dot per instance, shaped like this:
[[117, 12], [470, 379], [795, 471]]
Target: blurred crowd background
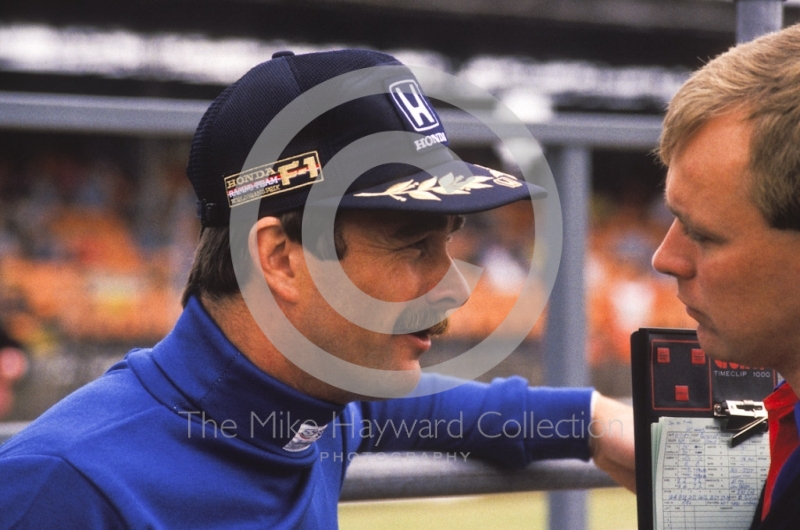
[[97, 230], [94, 256]]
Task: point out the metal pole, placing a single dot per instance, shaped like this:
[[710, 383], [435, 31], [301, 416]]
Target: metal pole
[[149, 198], [757, 17], [378, 476], [565, 340]]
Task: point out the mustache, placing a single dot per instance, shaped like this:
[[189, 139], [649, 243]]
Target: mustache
[[414, 320]]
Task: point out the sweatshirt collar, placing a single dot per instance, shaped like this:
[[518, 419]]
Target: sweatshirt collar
[[199, 374]]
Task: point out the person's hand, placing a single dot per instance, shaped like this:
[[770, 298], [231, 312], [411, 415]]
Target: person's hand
[[611, 440]]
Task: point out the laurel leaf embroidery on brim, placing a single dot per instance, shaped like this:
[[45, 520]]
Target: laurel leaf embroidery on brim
[[447, 180], [424, 195], [402, 186], [431, 182], [449, 191], [427, 190], [477, 186]]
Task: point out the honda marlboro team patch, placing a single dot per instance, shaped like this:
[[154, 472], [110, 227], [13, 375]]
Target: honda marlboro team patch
[[276, 177]]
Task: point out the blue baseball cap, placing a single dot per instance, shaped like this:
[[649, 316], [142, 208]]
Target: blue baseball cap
[[430, 177]]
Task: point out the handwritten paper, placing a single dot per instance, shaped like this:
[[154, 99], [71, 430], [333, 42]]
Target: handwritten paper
[[699, 481]]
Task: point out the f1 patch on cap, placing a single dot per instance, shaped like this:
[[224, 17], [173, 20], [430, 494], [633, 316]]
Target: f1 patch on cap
[[275, 177]]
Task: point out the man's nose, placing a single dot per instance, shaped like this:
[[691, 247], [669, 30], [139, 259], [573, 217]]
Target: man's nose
[[673, 256], [454, 289]]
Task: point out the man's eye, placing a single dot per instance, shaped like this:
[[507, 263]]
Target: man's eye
[[422, 244], [696, 236]]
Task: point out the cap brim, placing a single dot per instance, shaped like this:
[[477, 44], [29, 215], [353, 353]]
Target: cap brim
[[443, 189]]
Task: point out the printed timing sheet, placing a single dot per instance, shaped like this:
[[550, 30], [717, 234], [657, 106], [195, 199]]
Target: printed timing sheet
[[699, 481]]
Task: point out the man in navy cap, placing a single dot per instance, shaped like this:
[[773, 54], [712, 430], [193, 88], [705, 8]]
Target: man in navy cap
[[248, 412]]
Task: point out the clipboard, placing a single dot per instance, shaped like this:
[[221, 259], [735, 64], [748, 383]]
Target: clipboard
[[673, 378]]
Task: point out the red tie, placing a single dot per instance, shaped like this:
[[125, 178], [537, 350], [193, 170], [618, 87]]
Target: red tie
[[783, 438]]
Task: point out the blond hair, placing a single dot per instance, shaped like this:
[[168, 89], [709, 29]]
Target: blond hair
[[762, 79]]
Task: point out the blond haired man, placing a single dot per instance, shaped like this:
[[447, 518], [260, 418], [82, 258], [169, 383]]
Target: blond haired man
[[731, 141]]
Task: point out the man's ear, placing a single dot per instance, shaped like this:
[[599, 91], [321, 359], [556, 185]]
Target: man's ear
[[277, 257]]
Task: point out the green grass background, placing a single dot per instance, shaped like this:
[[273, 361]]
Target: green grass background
[[608, 509]]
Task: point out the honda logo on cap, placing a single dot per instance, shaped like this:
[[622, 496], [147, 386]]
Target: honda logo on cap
[[408, 98]]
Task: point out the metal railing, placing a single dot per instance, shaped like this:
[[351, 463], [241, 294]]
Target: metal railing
[[371, 477], [156, 117], [435, 474]]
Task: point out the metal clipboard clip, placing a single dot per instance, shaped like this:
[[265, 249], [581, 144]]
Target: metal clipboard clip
[[744, 418]]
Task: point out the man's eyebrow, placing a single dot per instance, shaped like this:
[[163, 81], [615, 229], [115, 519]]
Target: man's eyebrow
[[690, 224], [674, 211], [682, 218]]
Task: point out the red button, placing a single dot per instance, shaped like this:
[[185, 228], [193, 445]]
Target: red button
[[662, 355], [681, 393], [698, 356]]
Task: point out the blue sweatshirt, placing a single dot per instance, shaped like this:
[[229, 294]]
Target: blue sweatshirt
[[190, 434]]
